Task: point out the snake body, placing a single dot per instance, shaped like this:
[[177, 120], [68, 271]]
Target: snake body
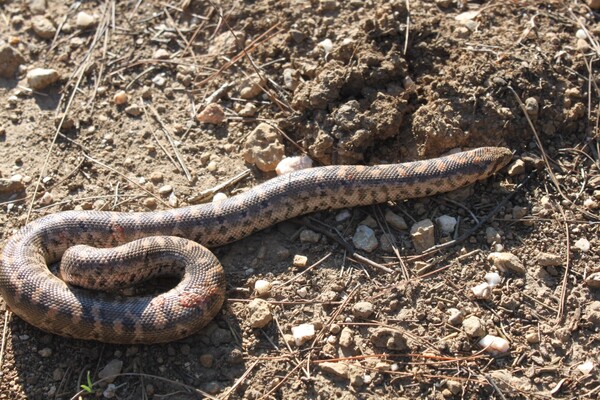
[[171, 237]]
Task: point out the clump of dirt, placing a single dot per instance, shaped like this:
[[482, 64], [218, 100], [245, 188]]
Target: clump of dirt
[[344, 82]]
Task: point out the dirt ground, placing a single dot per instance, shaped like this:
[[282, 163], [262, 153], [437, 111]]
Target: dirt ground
[[345, 82]]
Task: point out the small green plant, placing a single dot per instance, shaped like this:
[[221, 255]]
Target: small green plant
[[89, 387]]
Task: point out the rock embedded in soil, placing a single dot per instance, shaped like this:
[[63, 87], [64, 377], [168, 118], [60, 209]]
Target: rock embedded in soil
[[263, 148], [85, 20], [446, 224], [388, 338], [473, 327], [364, 239], [109, 372], [303, 333], [10, 186], [212, 114], [339, 369], [40, 78], [363, 309], [347, 337], [308, 236], [423, 235], [549, 259], [11, 59], [395, 221], [43, 27], [507, 262], [259, 313]]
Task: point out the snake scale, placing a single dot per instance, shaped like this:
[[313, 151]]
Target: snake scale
[[168, 240]]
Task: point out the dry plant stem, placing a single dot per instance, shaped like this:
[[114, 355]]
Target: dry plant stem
[[169, 136], [205, 195], [563, 292], [239, 381]]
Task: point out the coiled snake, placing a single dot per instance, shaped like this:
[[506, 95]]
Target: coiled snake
[[169, 241]]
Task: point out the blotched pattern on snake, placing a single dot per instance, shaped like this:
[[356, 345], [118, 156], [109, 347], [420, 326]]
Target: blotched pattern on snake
[[169, 240]]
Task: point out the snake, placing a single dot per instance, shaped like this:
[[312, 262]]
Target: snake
[[102, 251]]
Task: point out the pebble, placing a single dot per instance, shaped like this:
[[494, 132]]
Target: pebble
[[300, 261], [482, 291], [446, 224], [220, 336], [173, 200], [110, 390], [519, 212], [43, 27], [291, 164], [395, 221], [45, 352], [549, 259], [161, 54], [251, 86], [263, 148], [343, 215], [532, 337], [219, 197], [473, 327], [423, 235], [532, 107], [387, 242], [11, 60], [582, 244], [369, 221], [164, 190], [593, 280], [207, 360], [364, 239], [335, 329], [212, 114], [150, 202], [347, 337], [516, 168], [156, 177], [290, 78], [111, 370], [455, 316], [159, 80], [249, 110], [592, 313], [590, 204], [389, 338], [212, 166], [493, 279], [308, 236], [339, 369], [363, 309], [134, 110], [46, 199], [11, 186], [85, 20], [259, 313], [120, 98], [262, 287], [586, 367], [37, 6], [492, 236], [507, 262], [494, 344], [303, 333], [40, 78], [454, 387]]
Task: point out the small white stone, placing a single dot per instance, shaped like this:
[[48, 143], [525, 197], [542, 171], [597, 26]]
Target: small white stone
[[109, 392], [492, 236], [482, 291], [166, 189], [303, 333], [493, 278], [173, 200], [159, 80], [212, 166], [85, 20], [40, 78], [47, 199], [494, 344], [327, 45], [219, 197], [586, 367], [262, 287], [343, 215], [446, 223], [300, 261], [580, 34], [583, 244], [290, 164], [302, 292], [161, 54], [590, 204], [423, 235]]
